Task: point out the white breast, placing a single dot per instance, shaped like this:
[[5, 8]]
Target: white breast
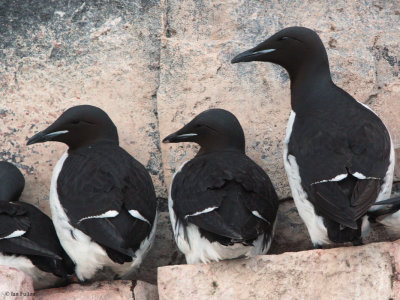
[[316, 228]]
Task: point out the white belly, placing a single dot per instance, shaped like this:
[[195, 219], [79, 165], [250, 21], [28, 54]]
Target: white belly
[[41, 279], [316, 228], [88, 256], [198, 249]]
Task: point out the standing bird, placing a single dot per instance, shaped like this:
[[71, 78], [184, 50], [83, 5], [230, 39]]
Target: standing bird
[[102, 200], [338, 154], [28, 240], [222, 205]]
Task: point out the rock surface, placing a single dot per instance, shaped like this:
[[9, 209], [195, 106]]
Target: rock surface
[[154, 64], [201, 37], [15, 285], [104, 290], [365, 272]]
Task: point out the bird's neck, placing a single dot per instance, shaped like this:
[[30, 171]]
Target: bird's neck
[[91, 144], [308, 83], [206, 150]]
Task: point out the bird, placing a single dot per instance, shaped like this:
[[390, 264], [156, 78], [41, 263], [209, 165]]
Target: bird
[[387, 212], [222, 205], [338, 154], [102, 200], [28, 240]]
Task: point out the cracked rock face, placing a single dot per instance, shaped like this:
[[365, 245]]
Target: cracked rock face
[[366, 272], [62, 54], [102, 290], [153, 65]]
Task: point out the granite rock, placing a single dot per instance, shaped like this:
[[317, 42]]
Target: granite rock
[[15, 285], [365, 272], [153, 65], [103, 290]]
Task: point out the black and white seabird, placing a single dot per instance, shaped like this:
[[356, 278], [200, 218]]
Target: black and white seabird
[[338, 154], [28, 240], [222, 205], [102, 200]]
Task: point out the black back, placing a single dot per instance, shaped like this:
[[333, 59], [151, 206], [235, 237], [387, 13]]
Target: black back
[[340, 136], [40, 242], [34, 234], [233, 183], [102, 178]]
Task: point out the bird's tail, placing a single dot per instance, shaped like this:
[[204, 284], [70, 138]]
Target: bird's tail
[[386, 207]]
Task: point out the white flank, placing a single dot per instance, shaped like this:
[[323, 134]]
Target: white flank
[[88, 256], [134, 213], [391, 221], [207, 210], [257, 214], [336, 178], [198, 249], [315, 225], [14, 234], [108, 214]]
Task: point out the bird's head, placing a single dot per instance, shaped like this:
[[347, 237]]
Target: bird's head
[[12, 182], [291, 48], [213, 130], [79, 126]]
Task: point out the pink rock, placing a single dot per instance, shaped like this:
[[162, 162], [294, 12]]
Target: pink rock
[[15, 284], [103, 290], [145, 291], [365, 272]]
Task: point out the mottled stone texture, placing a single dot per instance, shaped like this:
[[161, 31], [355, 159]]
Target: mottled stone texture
[[201, 37], [103, 290], [62, 53], [366, 272], [152, 65], [15, 284]]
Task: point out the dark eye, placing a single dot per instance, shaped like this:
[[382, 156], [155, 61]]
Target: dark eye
[[283, 38], [75, 122]]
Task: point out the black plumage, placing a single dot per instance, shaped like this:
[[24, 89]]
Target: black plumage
[[221, 191], [328, 143], [236, 186], [28, 232], [110, 179], [341, 148], [103, 200], [39, 243]]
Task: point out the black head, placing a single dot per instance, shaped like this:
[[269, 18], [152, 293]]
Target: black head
[[292, 48], [214, 130], [79, 126], [12, 182]]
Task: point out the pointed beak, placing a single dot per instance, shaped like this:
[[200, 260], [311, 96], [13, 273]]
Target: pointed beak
[[43, 136], [176, 137], [250, 55]]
